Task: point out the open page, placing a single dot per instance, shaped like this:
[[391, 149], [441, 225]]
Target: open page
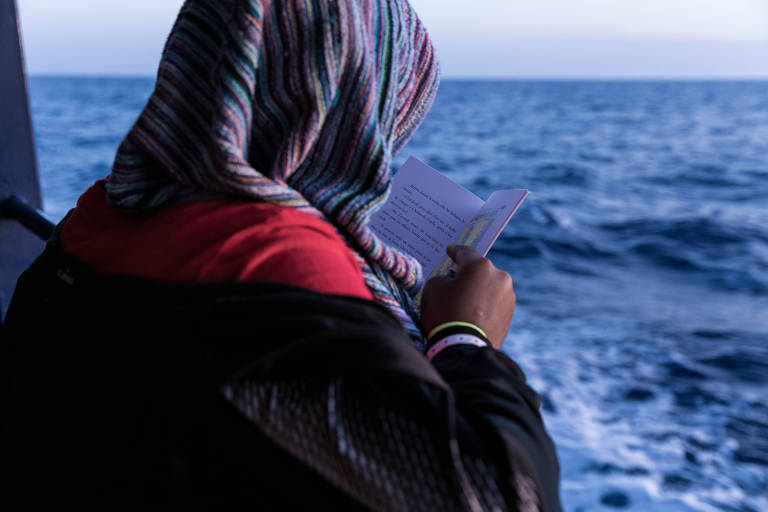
[[425, 212], [485, 226]]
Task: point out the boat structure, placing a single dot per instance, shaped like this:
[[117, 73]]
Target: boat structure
[[23, 229]]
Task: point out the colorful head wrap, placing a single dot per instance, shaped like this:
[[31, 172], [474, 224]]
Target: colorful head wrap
[[301, 103]]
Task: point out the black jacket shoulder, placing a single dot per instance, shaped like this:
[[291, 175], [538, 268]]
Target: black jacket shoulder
[[114, 386]]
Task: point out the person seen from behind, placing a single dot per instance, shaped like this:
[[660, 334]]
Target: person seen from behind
[[215, 323]]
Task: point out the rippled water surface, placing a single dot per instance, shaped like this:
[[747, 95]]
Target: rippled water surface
[[640, 263]]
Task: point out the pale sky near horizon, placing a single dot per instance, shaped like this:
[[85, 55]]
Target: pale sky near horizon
[[491, 38]]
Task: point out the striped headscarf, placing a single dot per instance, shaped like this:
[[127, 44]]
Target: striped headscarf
[[301, 103]]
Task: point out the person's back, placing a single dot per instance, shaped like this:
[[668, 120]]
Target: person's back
[[110, 412], [203, 394]]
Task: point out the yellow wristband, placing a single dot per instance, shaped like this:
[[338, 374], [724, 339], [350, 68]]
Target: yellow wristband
[[454, 324]]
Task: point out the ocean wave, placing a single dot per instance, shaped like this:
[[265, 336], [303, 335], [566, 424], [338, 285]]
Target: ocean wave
[[742, 365], [703, 175], [551, 247], [702, 232], [562, 173], [731, 255]]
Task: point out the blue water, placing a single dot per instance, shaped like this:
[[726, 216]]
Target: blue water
[[640, 263]]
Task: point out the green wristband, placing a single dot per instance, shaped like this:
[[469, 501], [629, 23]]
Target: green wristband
[[454, 324]]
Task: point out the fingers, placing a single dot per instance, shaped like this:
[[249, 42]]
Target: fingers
[[462, 254]]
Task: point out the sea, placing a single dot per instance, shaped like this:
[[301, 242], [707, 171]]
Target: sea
[[640, 263]]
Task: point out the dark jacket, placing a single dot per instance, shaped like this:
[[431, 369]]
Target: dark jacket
[[122, 391]]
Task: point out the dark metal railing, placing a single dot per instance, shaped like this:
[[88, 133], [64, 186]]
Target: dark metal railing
[[16, 208]]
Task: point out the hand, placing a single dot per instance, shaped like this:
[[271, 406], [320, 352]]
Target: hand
[[477, 293]]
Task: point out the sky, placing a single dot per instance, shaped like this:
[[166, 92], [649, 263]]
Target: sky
[[598, 39]]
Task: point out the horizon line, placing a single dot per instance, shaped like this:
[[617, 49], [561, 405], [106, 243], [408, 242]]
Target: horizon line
[[476, 78]]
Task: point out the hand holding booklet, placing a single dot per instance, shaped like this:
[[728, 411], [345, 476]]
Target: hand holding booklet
[[426, 212]]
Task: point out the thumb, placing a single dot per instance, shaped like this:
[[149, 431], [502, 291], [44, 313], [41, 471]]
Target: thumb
[[462, 254]]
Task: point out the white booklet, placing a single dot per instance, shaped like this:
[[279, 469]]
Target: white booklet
[[426, 212]]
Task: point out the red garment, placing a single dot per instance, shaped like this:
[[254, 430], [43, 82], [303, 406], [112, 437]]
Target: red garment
[[213, 240]]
